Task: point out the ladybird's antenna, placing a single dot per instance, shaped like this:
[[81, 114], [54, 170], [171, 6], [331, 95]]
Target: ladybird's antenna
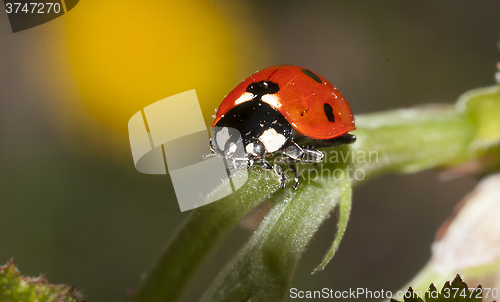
[[209, 155]]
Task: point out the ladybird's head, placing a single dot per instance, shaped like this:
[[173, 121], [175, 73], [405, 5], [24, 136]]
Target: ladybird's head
[[226, 142], [253, 128]]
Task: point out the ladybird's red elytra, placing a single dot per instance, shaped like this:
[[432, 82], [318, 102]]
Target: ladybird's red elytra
[[301, 99], [281, 108]]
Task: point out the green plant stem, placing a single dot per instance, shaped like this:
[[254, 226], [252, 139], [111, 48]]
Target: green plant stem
[[263, 268], [412, 140], [403, 140], [200, 233]]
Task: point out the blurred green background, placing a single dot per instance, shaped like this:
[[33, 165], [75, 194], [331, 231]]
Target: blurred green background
[[73, 206]]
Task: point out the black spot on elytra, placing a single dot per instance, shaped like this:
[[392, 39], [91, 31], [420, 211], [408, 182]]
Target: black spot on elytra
[[263, 87], [329, 112], [312, 75]]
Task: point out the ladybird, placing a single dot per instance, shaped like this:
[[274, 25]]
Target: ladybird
[[287, 109]]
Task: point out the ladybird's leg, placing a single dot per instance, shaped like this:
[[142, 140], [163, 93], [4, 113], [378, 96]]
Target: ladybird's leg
[[212, 144], [296, 176], [302, 155], [281, 175], [250, 162], [279, 171], [298, 154], [265, 165], [214, 153], [209, 155], [293, 151], [312, 156], [257, 153]]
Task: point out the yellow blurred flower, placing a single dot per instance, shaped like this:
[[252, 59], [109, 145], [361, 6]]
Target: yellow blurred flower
[[128, 54]]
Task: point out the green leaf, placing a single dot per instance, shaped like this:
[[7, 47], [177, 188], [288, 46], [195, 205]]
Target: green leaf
[[345, 206], [200, 233], [483, 107], [16, 288], [264, 267], [457, 291], [411, 296]]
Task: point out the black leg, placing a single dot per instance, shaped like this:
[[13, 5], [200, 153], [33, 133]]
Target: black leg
[[265, 165], [299, 154], [296, 176], [250, 163], [281, 175]]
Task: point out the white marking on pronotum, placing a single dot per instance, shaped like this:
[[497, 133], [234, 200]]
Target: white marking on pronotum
[[232, 148], [245, 97], [272, 140], [271, 99], [222, 138], [249, 148]]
